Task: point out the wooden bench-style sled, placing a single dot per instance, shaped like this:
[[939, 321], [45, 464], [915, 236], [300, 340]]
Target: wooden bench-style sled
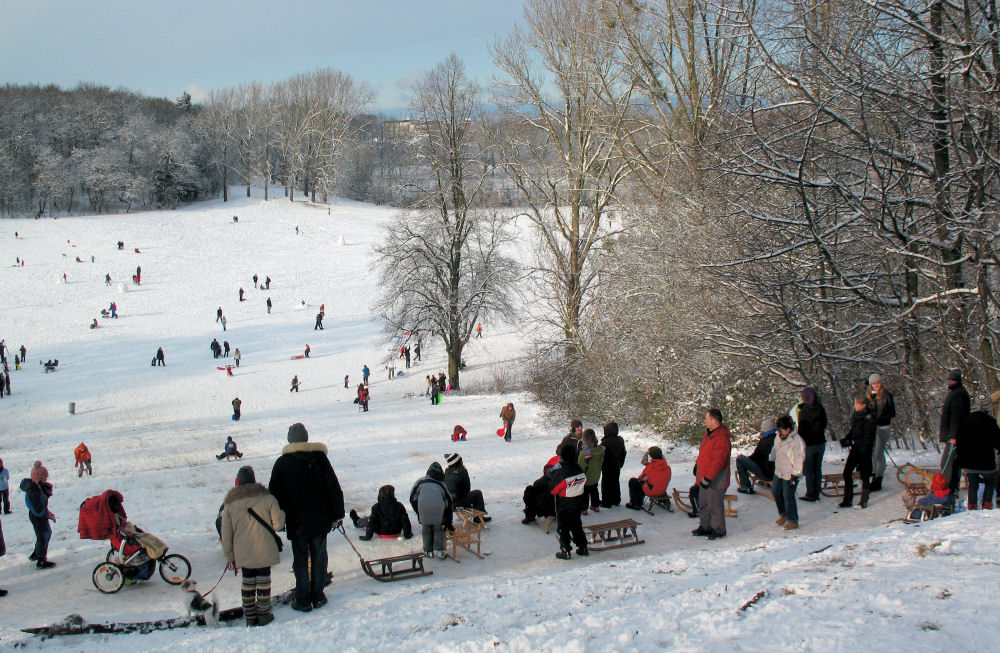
[[389, 571], [683, 501], [833, 484], [612, 535], [663, 501], [468, 533]]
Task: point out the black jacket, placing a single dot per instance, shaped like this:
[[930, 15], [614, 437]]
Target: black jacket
[[956, 408], [557, 475], [614, 453], [978, 440], [389, 517], [307, 489], [456, 479], [812, 423], [884, 412], [762, 453], [862, 433]]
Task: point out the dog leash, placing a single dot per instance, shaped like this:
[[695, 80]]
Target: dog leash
[[220, 579]]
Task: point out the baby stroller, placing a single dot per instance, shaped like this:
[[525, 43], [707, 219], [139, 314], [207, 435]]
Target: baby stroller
[[134, 553]]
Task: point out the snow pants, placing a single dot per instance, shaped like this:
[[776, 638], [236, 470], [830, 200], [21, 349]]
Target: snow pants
[[43, 532], [570, 528]]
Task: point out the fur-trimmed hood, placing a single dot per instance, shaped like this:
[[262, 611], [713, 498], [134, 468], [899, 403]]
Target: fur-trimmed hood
[[297, 447], [244, 491]]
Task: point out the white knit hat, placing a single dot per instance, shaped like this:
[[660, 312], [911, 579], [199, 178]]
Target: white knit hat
[[452, 458]]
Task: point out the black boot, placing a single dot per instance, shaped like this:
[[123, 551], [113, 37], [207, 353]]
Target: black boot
[[864, 497], [564, 554], [876, 484], [354, 517]]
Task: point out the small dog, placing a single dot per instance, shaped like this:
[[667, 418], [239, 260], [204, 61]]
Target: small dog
[[197, 604]]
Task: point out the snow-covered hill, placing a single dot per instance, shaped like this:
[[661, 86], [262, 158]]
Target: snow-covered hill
[[154, 433]]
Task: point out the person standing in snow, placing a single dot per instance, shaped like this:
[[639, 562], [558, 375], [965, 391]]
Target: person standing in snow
[[977, 444], [392, 368], [713, 476], [507, 416], [37, 491], [268, 305], [225, 349], [860, 440], [218, 314], [883, 409], [432, 502], [573, 438], [307, 489], [114, 310], [364, 374], [215, 347], [812, 429], [956, 409], [614, 460], [241, 295], [107, 279], [82, 455], [591, 460], [295, 384], [267, 283], [4, 488], [160, 357], [406, 355], [223, 322], [319, 322], [250, 517], [363, 397], [255, 280], [416, 351], [566, 483], [789, 455], [236, 408], [307, 351], [237, 356]]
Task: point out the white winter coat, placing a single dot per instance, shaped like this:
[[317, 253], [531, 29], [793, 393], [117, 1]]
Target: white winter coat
[[788, 455]]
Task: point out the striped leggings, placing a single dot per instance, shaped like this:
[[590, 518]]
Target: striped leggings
[[256, 591]]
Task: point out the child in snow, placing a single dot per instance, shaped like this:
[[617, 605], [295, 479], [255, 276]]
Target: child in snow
[[250, 518], [940, 495], [591, 460], [37, 491], [295, 384], [236, 409], [82, 454], [236, 356], [507, 414], [458, 434], [4, 488], [789, 455], [307, 351], [388, 518], [347, 380], [432, 503], [363, 397], [537, 500], [230, 449], [566, 483], [652, 482]]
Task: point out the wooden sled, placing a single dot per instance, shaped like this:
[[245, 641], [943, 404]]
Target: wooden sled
[[548, 523], [612, 535], [468, 534], [683, 501], [388, 571], [833, 484], [663, 501]]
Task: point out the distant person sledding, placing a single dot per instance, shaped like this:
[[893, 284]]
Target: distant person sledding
[[50, 365]]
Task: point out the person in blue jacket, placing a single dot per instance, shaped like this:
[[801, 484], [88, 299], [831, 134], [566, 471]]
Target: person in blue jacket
[[230, 450], [37, 491]]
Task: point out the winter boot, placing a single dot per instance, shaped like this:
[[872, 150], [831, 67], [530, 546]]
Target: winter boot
[[791, 525], [45, 564], [780, 521], [876, 484], [264, 618], [987, 505], [563, 554], [583, 551], [354, 517], [864, 497], [846, 503]]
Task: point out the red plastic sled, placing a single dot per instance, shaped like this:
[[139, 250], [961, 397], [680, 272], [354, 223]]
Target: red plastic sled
[[298, 357], [502, 431]]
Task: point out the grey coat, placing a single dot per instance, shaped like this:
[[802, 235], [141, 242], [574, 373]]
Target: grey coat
[[432, 502]]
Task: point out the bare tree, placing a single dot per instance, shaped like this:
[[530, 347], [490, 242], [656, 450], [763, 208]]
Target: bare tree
[[441, 266]]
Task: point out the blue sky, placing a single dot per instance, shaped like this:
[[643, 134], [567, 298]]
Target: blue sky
[[163, 47]]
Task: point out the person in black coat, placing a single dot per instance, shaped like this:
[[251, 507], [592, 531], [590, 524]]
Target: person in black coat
[[566, 484], [538, 502], [456, 479], [861, 441], [388, 517], [955, 410], [812, 430], [978, 442], [614, 460], [759, 462], [307, 489]]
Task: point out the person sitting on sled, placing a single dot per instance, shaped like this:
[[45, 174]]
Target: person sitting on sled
[[388, 518], [230, 449]]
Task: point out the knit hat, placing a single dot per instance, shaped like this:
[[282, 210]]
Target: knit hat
[[553, 461], [435, 472], [297, 433], [808, 395], [610, 429], [38, 473], [874, 378], [245, 476], [767, 425], [568, 452], [656, 453], [955, 375], [575, 424], [452, 459]]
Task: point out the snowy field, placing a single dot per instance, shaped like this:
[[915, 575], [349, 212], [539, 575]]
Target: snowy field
[[154, 433]]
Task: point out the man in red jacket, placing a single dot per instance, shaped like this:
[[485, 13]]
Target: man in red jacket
[[713, 476]]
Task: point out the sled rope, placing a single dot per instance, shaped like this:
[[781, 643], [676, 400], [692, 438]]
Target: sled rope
[[340, 527]]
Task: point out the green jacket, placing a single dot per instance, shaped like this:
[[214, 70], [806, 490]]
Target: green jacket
[[591, 465]]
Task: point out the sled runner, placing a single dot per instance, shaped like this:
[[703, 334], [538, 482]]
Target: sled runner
[[612, 535], [663, 501], [411, 565], [468, 534], [833, 484]]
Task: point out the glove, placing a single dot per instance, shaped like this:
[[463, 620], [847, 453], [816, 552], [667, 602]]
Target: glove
[[846, 443], [365, 538], [794, 479], [705, 483]]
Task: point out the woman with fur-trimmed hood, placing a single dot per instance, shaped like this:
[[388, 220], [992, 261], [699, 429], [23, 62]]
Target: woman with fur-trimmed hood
[[250, 518]]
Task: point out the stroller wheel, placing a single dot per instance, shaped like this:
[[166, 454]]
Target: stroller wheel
[[113, 556], [108, 577], [175, 568]]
